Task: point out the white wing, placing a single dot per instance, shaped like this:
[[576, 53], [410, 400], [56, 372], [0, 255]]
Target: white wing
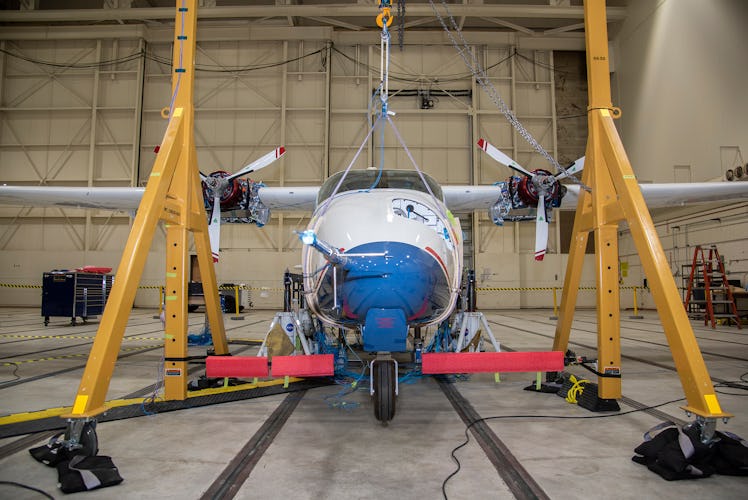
[[109, 198], [676, 195], [464, 198], [458, 198], [289, 198], [124, 198]]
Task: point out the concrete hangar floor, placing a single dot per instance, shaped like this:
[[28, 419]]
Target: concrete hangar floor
[[324, 442]]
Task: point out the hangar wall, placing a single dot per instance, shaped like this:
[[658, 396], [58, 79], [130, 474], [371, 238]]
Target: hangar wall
[[93, 117], [684, 109], [88, 112]]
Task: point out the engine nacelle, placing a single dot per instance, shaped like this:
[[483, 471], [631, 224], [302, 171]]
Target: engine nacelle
[[518, 193], [240, 203]]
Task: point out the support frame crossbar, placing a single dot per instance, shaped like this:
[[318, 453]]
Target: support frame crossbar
[[308, 365], [236, 366], [492, 362]]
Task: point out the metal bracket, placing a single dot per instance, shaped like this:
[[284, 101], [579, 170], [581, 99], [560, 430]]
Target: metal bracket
[[371, 376], [74, 436], [707, 427]]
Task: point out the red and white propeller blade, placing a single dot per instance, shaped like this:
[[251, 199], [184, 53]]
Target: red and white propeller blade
[[214, 228], [259, 163], [500, 157], [541, 229], [575, 167]]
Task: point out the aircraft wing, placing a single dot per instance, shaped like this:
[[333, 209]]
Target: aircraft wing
[[108, 198], [128, 198], [676, 194], [289, 198], [459, 198], [465, 198]]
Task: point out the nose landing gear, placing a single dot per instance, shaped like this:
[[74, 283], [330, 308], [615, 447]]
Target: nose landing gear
[[384, 387]]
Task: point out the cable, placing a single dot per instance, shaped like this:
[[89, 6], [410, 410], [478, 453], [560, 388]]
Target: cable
[[500, 417], [14, 374], [555, 69], [26, 487], [210, 68], [336, 400], [741, 384], [151, 399], [100, 64], [217, 68], [413, 78]]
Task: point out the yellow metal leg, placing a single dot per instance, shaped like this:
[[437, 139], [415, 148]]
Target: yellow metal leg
[[175, 344], [695, 379], [573, 276], [608, 312], [208, 273]]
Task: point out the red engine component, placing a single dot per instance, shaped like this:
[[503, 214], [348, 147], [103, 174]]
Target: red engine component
[[528, 193], [231, 195]]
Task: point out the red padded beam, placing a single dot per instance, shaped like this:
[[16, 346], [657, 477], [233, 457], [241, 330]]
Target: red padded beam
[[492, 362], [313, 365], [236, 366]]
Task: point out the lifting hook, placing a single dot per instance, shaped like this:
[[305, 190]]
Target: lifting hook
[[385, 17]]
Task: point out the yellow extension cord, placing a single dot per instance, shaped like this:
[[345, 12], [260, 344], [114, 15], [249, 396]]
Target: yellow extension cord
[[575, 390]]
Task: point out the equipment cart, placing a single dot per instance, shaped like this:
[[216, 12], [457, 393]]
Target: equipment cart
[[74, 294]]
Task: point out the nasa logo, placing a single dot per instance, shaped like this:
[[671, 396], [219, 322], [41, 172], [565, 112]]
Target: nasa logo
[[385, 323], [289, 327]]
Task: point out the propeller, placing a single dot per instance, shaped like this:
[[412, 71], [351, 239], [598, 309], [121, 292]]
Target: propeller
[[500, 157], [572, 169], [539, 184], [541, 230], [218, 184], [214, 228]]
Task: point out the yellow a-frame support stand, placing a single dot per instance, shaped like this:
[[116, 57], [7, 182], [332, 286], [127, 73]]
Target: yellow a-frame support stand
[[615, 196], [173, 194]]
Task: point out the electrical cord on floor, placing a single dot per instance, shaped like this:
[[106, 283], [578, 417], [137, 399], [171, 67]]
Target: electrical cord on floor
[[740, 384], [26, 487], [14, 374], [499, 417], [576, 389], [151, 399]]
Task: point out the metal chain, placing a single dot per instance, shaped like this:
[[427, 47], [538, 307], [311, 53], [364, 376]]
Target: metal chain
[[401, 23], [475, 67]]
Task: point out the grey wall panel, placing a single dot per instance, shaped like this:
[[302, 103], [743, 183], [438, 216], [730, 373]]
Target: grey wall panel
[[319, 106]]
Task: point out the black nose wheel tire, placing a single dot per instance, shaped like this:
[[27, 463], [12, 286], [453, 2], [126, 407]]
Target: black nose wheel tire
[[385, 379]]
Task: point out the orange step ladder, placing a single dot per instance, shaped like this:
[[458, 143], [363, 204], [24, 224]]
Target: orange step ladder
[[708, 289]]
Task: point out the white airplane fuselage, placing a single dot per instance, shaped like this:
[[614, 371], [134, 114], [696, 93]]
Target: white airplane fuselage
[[401, 252]]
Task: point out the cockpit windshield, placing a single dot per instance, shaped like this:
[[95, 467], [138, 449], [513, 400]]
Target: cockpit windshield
[[391, 179]]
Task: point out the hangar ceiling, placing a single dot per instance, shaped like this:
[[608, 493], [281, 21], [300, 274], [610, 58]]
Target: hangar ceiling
[[531, 17]]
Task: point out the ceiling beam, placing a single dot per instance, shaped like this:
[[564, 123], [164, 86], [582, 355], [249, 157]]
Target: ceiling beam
[[336, 22], [507, 24], [248, 31], [336, 10], [564, 29]]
